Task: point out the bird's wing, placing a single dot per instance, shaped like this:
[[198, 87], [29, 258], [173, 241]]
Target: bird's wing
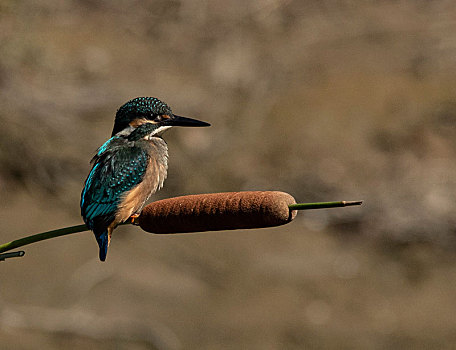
[[113, 142], [115, 171]]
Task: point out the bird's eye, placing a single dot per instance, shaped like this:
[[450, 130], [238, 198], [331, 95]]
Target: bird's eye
[[161, 117]]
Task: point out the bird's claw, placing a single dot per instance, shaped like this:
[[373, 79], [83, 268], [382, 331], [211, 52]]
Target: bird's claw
[[134, 219]]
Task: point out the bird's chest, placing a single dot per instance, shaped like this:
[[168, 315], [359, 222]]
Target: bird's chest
[[153, 179], [156, 172]]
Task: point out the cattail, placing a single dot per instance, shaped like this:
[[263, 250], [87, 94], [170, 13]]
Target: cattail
[[218, 211]]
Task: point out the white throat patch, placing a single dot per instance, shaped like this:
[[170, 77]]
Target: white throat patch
[[158, 132]]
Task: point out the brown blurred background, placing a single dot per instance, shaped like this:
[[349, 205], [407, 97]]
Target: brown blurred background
[[327, 100]]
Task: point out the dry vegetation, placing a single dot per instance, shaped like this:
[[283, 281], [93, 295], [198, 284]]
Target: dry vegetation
[[326, 100]]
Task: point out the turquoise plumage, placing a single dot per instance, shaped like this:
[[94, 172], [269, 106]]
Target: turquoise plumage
[[116, 170]]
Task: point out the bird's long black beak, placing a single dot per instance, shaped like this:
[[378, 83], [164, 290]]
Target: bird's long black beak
[[176, 120]]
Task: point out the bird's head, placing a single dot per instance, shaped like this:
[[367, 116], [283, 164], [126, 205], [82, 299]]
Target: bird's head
[[149, 116]]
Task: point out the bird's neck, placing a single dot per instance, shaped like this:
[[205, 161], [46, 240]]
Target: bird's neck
[[155, 145]]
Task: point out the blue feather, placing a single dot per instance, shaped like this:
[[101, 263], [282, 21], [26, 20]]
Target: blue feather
[[88, 183], [103, 244], [104, 147]]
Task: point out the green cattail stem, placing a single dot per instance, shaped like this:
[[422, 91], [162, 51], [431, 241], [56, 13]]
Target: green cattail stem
[[322, 205], [12, 255], [80, 228], [42, 236]]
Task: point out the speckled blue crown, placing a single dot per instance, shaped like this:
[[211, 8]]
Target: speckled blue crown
[[139, 107]]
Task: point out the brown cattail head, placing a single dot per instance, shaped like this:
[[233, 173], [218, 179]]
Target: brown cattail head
[[218, 211]]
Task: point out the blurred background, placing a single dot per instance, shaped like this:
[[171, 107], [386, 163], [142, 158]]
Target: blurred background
[[326, 100]]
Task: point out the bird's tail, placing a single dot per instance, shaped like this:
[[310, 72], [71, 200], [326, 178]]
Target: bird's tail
[[103, 243]]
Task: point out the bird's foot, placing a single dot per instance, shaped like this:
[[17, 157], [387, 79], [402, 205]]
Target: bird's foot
[[134, 219]]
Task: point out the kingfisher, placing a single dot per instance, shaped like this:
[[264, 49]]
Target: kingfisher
[[129, 167]]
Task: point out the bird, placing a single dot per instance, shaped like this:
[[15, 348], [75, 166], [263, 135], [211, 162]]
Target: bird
[[129, 167]]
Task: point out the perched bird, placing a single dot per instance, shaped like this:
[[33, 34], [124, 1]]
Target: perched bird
[[129, 167]]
